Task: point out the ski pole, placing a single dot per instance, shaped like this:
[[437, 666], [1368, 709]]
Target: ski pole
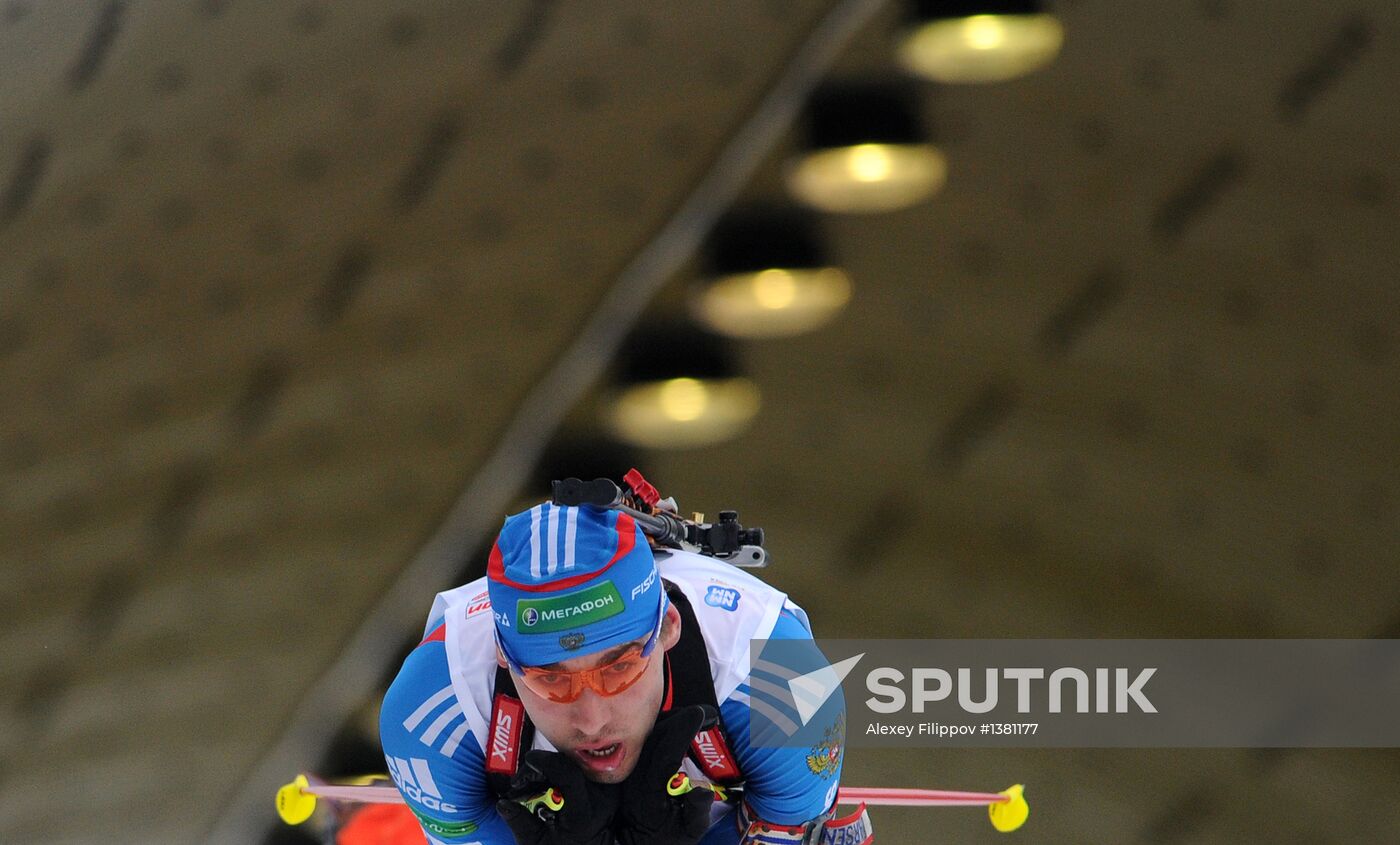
[[1007, 809]]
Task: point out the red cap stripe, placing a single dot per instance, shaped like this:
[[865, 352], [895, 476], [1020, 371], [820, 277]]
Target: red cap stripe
[[627, 540]]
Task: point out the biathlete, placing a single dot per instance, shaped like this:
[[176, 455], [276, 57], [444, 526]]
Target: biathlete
[[593, 689]]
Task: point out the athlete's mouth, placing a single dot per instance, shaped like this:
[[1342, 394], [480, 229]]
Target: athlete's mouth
[[602, 758], [600, 752]]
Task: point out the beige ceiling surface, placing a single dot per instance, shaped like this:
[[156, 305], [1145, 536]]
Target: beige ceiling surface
[[1131, 374], [275, 278]]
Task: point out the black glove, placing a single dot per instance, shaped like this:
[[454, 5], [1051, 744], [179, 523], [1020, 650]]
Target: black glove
[[650, 815], [586, 817]]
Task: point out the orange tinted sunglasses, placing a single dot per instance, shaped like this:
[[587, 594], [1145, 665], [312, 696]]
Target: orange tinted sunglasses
[[606, 680]]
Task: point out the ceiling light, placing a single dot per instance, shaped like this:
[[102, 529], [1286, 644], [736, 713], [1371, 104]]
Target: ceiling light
[[866, 153], [679, 389], [972, 41], [767, 276]]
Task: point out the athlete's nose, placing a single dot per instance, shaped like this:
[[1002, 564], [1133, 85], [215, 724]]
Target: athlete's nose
[[590, 714]]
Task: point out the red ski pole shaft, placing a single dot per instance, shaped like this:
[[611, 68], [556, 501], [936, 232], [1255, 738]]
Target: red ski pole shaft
[[874, 796]]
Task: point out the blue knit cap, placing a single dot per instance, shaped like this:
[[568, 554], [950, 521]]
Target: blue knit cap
[[569, 581]]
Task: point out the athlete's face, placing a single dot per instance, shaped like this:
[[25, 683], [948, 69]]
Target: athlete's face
[[615, 725]]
